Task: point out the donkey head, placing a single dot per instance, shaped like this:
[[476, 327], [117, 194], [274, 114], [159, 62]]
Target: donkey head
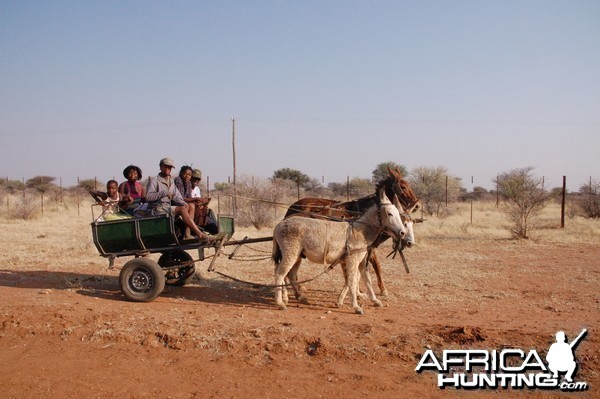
[[396, 184], [409, 239], [389, 215]]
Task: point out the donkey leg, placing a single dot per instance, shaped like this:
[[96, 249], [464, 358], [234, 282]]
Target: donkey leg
[[344, 292], [281, 271], [279, 291], [353, 284], [377, 267], [293, 276], [345, 288], [284, 290], [359, 293], [366, 276]]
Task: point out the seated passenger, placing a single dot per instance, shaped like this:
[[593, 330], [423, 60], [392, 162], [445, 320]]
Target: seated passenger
[[131, 191], [110, 201], [183, 182], [164, 198], [204, 217]]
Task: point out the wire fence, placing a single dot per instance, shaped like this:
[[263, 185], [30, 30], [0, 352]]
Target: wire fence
[[260, 202]]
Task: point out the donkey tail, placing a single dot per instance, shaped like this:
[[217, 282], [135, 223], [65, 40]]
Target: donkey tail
[[276, 256]]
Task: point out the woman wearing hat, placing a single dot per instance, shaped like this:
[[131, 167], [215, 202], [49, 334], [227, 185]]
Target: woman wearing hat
[[132, 192]]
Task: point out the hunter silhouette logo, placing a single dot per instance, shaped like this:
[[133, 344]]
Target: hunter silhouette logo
[[507, 368], [560, 356]]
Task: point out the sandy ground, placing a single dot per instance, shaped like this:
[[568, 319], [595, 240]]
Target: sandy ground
[[67, 332]]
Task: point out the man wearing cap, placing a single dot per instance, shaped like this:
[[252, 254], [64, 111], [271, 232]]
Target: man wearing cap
[[196, 177], [164, 198]]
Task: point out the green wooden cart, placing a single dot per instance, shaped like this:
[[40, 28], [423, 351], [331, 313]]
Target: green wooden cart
[[142, 279]]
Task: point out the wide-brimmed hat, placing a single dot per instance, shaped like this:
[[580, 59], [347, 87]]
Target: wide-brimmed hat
[[128, 169], [196, 174], [167, 162]]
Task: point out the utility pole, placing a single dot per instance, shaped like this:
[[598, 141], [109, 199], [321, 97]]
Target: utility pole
[[234, 169]]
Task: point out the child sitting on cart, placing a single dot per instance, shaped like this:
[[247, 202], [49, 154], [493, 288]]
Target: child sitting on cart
[[204, 217], [110, 201]]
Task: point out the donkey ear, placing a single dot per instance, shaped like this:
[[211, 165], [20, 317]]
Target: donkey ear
[[392, 172], [383, 198], [398, 205], [398, 173]]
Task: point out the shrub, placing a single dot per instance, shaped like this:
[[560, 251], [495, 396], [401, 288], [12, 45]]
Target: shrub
[[25, 207], [523, 198], [589, 200]]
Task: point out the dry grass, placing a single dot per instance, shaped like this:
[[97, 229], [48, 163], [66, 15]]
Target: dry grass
[[63, 233]]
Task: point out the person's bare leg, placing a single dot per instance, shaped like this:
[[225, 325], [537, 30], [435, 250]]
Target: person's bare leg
[[182, 210], [191, 209]]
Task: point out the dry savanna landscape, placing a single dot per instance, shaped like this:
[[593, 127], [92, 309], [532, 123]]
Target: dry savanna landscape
[[66, 330]]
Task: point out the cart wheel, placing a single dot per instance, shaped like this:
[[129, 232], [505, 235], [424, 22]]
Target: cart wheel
[[141, 280], [181, 276]]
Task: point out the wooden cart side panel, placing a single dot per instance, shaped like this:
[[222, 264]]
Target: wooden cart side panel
[[157, 232], [133, 235], [115, 236], [226, 225]]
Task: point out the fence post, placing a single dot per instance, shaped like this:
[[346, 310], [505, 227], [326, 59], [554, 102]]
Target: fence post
[[446, 191], [497, 193], [471, 210], [590, 192], [347, 188]]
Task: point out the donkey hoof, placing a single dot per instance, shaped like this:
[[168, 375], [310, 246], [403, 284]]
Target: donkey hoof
[[384, 292], [359, 311], [282, 306], [378, 303]]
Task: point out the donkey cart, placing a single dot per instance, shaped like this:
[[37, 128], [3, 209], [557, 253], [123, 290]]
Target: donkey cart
[[142, 279]]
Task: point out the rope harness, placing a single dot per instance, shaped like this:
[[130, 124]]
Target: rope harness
[[347, 251]]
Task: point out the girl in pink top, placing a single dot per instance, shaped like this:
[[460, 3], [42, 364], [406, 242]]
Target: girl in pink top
[[131, 191]]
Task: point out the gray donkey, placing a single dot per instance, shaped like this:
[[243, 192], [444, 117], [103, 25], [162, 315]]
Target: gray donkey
[[329, 242]]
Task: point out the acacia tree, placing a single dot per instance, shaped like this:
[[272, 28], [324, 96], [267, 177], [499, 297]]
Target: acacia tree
[[356, 187], [89, 184], [434, 186], [524, 198], [12, 186], [381, 171], [41, 183], [292, 174]]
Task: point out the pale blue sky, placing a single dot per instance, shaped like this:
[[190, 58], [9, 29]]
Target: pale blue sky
[[331, 88]]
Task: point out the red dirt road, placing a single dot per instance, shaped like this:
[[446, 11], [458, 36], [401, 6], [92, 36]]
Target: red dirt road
[[67, 332]]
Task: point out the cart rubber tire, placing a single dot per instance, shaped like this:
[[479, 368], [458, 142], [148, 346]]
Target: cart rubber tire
[[141, 280], [184, 274]]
